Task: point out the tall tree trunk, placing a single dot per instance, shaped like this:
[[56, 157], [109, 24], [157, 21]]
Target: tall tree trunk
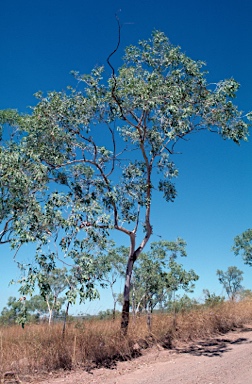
[[115, 299], [126, 294], [49, 311], [174, 312], [133, 255], [133, 302], [125, 317], [114, 311]]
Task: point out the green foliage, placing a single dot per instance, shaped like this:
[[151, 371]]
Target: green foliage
[[148, 283], [108, 314], [114, 264], [12, 311], [51, 283], [231, 281], [178, 278], [243, 246], [181, 304], [157, 275], [87, 161], [211, 299]]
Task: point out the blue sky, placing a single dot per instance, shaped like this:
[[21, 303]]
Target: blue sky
[[42, 41]]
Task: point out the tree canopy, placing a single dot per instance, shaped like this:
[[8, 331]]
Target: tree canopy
[[231, 281], [243, 246], [87, 161], [158, 275]]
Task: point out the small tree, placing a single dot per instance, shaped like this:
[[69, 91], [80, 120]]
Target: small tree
[[211, 299], [58, 283], [39, 306], [157, 274], [13, 311], [51, 283], [231, 281], [179, 279], [181, 304], [148, 284]]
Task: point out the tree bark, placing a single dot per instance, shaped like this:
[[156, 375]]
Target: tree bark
[[125, 317], [126, 295], [114, 311], [133, 255], [49, 311]]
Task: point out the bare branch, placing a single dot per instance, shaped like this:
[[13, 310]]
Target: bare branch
[[137, 221], [5, 230]]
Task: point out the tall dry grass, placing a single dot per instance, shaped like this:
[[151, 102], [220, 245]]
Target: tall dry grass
[[39, 349]]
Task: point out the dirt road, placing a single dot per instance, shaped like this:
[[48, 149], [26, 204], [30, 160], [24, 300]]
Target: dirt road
[[222, 360]]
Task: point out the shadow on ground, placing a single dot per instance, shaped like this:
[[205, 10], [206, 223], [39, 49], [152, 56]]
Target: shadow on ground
[[246, 329], [211, 348]]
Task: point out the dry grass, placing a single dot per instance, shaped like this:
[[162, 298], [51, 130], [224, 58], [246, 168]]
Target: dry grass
[[39, 348]]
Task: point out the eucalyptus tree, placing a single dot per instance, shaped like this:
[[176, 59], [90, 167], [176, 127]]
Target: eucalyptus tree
[[211, 299], [231, 281], [178, 279], [152, 273], [157, 274], [12, 311], [97, 151], [57, 284], [148, 285]]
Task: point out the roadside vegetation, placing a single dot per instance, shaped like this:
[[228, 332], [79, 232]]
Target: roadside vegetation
[[97, 342]]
